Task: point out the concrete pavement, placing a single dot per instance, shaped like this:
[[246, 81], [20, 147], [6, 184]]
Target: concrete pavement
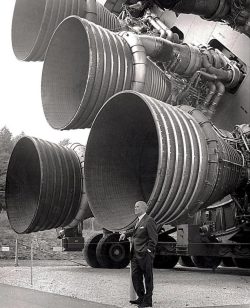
[[226, 306], [16, 297]]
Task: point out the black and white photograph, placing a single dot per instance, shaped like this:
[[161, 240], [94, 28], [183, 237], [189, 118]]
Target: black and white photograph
[[125, 154]]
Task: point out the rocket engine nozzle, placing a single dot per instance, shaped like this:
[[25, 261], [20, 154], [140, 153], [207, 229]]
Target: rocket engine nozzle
[[45, 187], [171, 157]]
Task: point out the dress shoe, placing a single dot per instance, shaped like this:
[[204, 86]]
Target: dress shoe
[[144, 305], [138, 301]]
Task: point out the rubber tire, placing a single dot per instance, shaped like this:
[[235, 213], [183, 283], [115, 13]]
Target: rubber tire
[[111, 253], [186, 261], [168, 261], [227, 262], [89, 250], [242, 262], [206, 261]]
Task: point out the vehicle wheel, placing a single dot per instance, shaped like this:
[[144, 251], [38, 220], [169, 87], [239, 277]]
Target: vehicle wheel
[[111, 253], [227, 262], [89, 250], [206, 262], [242, 262], [186, 261], [168, 261]]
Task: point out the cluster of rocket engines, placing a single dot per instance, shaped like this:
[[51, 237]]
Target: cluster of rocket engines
[[149, 99]]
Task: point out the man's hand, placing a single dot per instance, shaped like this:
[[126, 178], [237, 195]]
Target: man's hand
[[122, 236]]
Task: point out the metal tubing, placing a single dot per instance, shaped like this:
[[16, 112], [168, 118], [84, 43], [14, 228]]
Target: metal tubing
[[171, 157], [157, 48], [191, 59], [169, 33], [163, 50], [43, 186], [86, 64], [212, 89], [209, 9], [35, 21], [157, 26], [219, 92], [224, 75]]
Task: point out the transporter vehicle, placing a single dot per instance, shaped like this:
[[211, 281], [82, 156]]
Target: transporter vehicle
[[165, 87]]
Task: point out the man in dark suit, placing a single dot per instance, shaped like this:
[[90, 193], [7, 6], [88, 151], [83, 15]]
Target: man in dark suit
[[144, 239]]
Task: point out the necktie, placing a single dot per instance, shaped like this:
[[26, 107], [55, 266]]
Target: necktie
[[137, 223]]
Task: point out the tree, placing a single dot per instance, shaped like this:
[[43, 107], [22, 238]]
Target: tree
[[6, 147], [64, 142], [4, 159], [17, 138], [7, 143]]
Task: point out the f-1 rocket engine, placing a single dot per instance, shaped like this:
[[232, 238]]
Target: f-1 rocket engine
[[169, 122]]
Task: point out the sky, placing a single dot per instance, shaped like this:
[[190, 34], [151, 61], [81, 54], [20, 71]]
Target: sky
[[20, 91]]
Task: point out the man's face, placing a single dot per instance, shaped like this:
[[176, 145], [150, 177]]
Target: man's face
[[140, 208]]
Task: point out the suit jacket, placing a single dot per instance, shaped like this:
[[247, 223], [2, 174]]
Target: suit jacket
[[144, 237]]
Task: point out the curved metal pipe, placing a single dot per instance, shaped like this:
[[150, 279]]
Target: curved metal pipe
[[161, 14], [223, 75], [86, 64], [202, 8], [168, 33], [209, 9], [156, 25], [212, 89], [170, 157], [43, 186], [163, 30], [163, 50], [220, 90], [157, 48], [191, 59], [35, 21]]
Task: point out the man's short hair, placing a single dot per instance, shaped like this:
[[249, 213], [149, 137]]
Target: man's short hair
[[142, 203]]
